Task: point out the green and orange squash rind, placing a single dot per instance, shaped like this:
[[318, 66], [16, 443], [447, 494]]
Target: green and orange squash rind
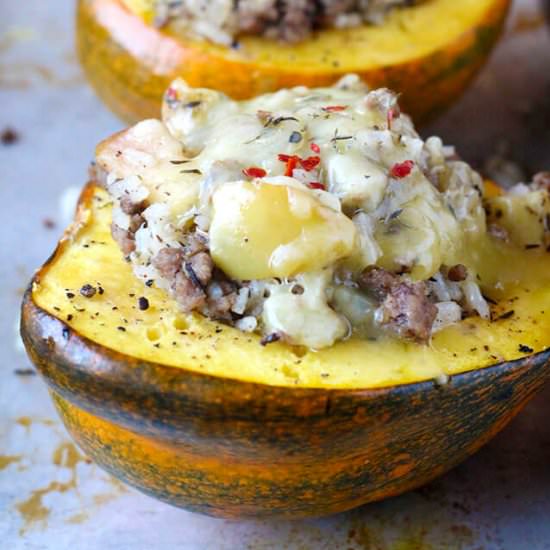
[[232, 448]]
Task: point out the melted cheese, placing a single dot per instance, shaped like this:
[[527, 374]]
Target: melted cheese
[[295, 182]]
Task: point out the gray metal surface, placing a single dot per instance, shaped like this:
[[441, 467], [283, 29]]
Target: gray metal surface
[[51, 497]]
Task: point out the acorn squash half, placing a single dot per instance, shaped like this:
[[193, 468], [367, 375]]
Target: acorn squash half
[[201, 416], [428, 52]]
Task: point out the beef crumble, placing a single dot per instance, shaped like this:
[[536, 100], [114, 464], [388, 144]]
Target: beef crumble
[[194, 282], [289, 21], [310, 285], [405, 308], [124, 238]]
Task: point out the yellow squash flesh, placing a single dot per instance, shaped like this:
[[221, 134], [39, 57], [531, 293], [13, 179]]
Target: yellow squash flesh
[[161, 334], [405, 34]]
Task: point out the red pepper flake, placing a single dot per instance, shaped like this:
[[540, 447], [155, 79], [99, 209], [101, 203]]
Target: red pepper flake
[[316, 185], [315, 148], [291, 163], [335, 108], [402, 169], [254, 172], [310, 163], [171, 94], [284, 158]]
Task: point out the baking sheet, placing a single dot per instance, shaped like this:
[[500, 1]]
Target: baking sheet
[[52, 497]]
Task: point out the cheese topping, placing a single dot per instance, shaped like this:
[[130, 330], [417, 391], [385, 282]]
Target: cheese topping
[[306, 214]]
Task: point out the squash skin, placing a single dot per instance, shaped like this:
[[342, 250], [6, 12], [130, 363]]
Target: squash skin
[[131, 78], [236, 449]]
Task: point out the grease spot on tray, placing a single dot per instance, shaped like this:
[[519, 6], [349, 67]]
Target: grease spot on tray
[[6, 460], [35, 510]]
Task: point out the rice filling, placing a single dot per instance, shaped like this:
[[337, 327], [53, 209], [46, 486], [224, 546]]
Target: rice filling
[[309, 215], [222, 21]]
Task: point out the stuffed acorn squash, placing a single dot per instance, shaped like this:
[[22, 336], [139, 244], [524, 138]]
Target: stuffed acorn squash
[[429, 49], [291, 305]]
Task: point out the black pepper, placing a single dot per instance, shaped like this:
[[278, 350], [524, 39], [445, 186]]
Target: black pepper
[[506, 315], [270, 338], [143, 303], [297, 289], [525, 349], [457, 273], [88, 291]]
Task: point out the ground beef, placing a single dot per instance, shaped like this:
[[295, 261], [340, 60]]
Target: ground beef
[[288, 20], [405, 308], [330, 9], [187, 275], [220, 308], [377, 281], [295, 20], [195, 243], [195, 283], [188, 295], [125, 239], [252, 20], [222, 294], [199, 268], [168, 262], [131, 208], [407, 311]]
